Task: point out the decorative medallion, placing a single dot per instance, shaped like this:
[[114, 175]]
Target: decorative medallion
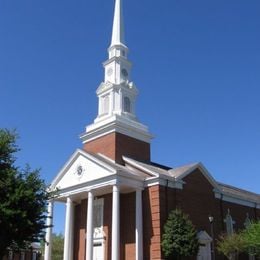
[[79, 171]]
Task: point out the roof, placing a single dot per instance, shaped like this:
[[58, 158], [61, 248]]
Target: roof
[[178, 173], [237, 192]]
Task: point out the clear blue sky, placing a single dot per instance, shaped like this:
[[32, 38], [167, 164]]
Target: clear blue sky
[[196, 64]]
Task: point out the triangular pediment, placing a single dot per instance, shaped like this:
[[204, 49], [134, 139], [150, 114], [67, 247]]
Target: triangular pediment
[[81, 168]]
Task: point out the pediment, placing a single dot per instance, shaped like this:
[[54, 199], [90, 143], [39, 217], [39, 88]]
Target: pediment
[[81, 168], [201, 170], [103, 87]]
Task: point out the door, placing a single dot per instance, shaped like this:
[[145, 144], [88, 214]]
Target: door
[[98, 251]]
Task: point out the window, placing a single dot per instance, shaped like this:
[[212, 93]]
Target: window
[[127, 105], [97, 218], [98, 209], [105, 105]]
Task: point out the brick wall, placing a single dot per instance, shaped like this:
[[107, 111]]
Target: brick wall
[[127, 226], [151, 223], [80, 230], [115, 145], [197, 199]]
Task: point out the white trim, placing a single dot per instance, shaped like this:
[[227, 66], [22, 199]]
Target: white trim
[[115, 245], [163, 182], [239, 201], [204, 171], [68, 234], [89, 235], [119, 124], [101, 183], [48, 236], [140, 167], [72, 159]]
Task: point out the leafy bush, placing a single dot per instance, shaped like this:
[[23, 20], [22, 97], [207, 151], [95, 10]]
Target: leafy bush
[[180, 237]]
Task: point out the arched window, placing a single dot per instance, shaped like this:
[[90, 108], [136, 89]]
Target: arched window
[[127, 105]]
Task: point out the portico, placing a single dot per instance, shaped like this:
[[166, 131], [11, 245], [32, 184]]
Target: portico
[[115, 182]]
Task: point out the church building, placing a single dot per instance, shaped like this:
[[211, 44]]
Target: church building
[[117, 199]]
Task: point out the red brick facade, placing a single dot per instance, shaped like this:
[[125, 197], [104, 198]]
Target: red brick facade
[[152, 223], [115, 145], [196, 199]]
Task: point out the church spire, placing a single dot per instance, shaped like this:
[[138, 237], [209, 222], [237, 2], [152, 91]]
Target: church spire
[[118, 34], [117, 93]]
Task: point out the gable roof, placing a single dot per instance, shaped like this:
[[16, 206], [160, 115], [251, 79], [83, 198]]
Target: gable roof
[[73, 158], [105, 164], [179, 173], [175, 174]]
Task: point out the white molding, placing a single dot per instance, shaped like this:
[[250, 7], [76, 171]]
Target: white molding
[[163, 182], [89, 224], [48, 235], [115, 236], [133, 165], [72, 159], [121, 179], [203, 170], [236, 200], [118, 124]]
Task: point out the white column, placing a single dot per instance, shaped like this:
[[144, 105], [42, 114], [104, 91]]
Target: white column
[[48, 236], [138, 226], [89, 245], [115, 223], [68, 235]]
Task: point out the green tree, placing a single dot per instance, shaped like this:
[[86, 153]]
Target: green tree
[[180, 237], [57, 247], [231, 245], [23, 199], [245, 241], [251, 238]]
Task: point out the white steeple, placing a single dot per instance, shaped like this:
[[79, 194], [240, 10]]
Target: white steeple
[[117, 93], [118, 35]]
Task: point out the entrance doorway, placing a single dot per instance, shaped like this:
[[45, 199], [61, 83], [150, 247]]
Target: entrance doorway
[[98, 251], [98, 236]]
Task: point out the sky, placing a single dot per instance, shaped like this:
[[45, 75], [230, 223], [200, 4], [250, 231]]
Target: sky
[[196, 65]]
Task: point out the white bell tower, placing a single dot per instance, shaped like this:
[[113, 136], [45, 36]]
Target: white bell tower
[[117, 93]]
